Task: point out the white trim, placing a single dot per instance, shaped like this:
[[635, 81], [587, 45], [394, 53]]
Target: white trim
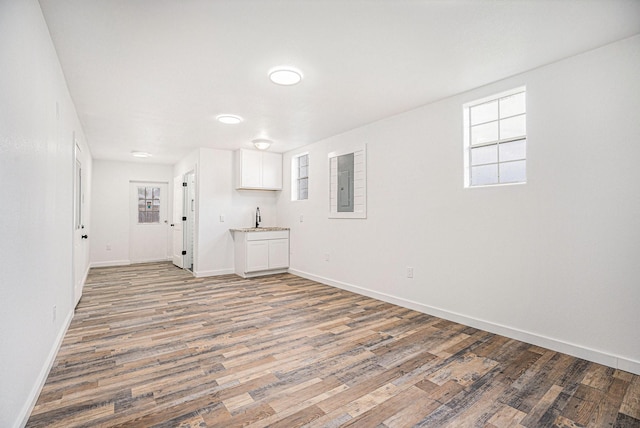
[[110, 263], [294, 176], [32, 398], [493, 97], [359, 183], [84, 282], [593, 355], [219, 272], [262, 273]]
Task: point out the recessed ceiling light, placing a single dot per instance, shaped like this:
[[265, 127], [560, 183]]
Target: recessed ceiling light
[[229, 119], [261, 144], [140, 154], [285, 75]]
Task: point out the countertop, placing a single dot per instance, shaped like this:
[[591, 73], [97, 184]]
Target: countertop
[[259, 229]]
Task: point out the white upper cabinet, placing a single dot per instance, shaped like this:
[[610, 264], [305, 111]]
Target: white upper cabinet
[[258, 170]]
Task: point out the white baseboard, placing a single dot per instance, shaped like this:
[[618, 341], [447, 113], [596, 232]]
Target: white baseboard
[[110, 263], [44, 373], [579, 351], [205, 273]]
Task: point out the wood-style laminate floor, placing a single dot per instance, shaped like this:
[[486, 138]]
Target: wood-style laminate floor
[[152, 346]]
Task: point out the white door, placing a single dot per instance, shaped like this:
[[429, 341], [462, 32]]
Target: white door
[[257, 256], [149, 226], [190, 226], [178, 224], [79, 234], [278, 253]]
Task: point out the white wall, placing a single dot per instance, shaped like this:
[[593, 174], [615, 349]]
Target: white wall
[[553, 262], [111, 206], [217, 196], [36, 234]]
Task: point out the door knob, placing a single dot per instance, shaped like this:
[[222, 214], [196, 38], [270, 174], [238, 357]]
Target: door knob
[[85, 236]]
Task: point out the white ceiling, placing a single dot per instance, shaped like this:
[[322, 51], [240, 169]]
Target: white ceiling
[[152, 75]]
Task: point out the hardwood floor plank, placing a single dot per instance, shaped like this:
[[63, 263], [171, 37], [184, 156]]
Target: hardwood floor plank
[[631, 401], [506, 417], [150, 345], [606, 411]]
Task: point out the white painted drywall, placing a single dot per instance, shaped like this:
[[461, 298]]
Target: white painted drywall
[[217, 196], [36, 234], [111, 206], [555, 261]]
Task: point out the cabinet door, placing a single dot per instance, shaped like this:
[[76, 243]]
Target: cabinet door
[[278, 253], [257, 256], [251, 169], [272, 170]]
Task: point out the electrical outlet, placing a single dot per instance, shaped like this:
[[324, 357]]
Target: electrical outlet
[[326, 257], [301, 218], [222, 218], [409, 272], [54, 314], [108, 247]]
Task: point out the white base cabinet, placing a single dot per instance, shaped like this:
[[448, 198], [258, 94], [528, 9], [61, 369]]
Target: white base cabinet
[[261, 253]]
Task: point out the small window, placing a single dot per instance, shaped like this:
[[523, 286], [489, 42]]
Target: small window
[[300, 177], [148, 205], [496, 140]]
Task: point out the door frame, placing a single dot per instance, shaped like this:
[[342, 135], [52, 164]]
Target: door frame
[[79, 253], [185, 214]]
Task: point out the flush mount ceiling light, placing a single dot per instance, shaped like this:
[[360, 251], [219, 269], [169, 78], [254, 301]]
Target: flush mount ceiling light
[[138, 154], [229, 119], [285, 75], [261, 144]]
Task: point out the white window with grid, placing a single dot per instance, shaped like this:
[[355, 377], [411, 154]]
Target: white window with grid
[[496, 139], [148, 204], [300, 177]]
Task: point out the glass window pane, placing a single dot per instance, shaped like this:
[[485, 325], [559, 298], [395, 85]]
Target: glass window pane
[[155, 217], [484, 133], [141, 204], [513, 127], [302, 160], [156, 193], [484, 154], [304, 171], [140, 192], [513, 172], [513, 150], [486, 174], [512, 105], [141, 217], [484, 112], [302, 188]]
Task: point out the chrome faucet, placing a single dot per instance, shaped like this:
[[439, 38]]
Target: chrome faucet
[[258, 218]]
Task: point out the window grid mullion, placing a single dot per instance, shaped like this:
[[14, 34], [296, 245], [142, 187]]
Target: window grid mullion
[[506, 140], [498, 143], [496, 120], [470, 160]]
